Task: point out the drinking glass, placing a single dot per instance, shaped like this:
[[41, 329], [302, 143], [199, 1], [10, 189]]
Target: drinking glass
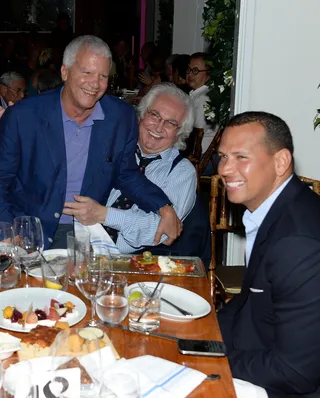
[[113, 307], [78, 244], [93, 280], [10, 270], [144, 311], [28, 236], [71, 349], [14, 370], [55, 274]]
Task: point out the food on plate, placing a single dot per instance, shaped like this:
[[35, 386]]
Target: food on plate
[[53, 285], [74, 363], [148, 262], [134, 296], [62, 325], [55, 312], [91, 333]]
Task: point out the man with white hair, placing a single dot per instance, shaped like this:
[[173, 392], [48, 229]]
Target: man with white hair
[[63, 151], [12, 89]]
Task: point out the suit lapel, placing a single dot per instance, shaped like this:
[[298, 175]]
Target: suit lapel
[[287, 195], [52, 128]]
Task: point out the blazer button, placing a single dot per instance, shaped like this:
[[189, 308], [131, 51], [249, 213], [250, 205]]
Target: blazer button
[[57, 215], [50, 240]]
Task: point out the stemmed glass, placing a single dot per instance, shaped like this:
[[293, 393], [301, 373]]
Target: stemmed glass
[[93, 280], [28, 236], [9, 268]]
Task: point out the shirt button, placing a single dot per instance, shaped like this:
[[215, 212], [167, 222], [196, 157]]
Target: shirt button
[[50, 240], [57, 215]]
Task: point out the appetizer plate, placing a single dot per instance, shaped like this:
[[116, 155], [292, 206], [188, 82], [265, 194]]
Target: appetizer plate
[[48, 255], [183, 298], [39, 298], [8, 345]]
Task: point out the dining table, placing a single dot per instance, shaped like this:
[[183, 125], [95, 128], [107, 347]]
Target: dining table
[[130, 344]]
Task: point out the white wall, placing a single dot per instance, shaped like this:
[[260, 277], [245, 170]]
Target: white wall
[[279, 69], [187, 27]]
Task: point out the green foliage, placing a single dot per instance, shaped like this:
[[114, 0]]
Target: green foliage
[[165, 23], [218, 30]]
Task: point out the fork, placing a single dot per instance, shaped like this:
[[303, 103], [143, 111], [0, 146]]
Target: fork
[[147, 292]]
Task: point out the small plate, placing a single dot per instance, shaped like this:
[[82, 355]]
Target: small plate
[[8, 345], [48, 255], [40, 298], [183, 298]]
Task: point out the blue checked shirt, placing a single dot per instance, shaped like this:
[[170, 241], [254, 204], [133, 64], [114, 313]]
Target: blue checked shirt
[[138, 228]]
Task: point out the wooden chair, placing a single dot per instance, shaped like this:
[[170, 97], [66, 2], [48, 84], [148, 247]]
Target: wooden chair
[[314, 184], [224, 217], [207, 156], [194, 149]]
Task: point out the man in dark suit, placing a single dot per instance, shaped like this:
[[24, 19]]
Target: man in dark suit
[[272, 328], [64, 150]]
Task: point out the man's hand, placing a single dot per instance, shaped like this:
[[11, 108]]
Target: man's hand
[[169, 225], [2, 109], [86, 210]]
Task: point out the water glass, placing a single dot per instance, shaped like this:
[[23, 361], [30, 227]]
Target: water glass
[[10, 270], [144, 312], [78, 244], [113, 307], [55, 274]]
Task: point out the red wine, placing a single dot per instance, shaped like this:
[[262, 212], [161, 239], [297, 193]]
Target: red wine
[[5, 262]]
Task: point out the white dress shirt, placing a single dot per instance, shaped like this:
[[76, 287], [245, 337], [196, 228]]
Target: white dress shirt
[[252, 221], [200, 97]]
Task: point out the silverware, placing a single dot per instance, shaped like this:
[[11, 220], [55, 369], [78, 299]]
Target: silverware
[[147, 292], [150, 298], [154, 334]]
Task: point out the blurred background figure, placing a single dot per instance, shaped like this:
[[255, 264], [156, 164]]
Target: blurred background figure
[[157, 67], [179, 67], [48, 79], [168, 68], [44, 62], [198, 75], [146, 50], [123, 62], [12, 88], [61, 36]]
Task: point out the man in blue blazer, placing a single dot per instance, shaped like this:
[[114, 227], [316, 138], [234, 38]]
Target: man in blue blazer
[[272, 328], [74, 144]]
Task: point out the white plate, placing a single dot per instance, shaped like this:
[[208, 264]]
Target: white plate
[[40, 298], [183, 298], [48, 255], [8, 345]]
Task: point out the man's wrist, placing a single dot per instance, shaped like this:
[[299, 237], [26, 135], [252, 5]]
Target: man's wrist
[[164, 208]]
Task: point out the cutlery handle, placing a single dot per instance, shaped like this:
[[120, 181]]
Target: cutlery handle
[[181, 310]]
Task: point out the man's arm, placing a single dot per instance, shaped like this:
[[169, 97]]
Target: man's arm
[[291, 365], [9, 161], [137, 227]]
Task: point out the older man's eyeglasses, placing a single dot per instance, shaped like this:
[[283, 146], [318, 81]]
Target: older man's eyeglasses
[[18, 91], [195, 71], [169, 125]]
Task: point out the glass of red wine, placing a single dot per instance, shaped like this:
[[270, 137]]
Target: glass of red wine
[[10, 271], [28, 237]]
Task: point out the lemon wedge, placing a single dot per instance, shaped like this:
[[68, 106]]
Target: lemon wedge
[[53, 285], [134, 296]]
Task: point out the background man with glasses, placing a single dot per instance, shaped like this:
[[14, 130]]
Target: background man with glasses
[[12, 89], [198, 74], [166, 116]]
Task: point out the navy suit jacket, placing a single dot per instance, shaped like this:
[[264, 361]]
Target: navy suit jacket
[[33, 170], [272, 329]]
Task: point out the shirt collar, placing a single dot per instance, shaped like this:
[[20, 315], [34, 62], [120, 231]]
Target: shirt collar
[[3, 103], [257, 216], [165, 155], [97, 114], [200, 90]]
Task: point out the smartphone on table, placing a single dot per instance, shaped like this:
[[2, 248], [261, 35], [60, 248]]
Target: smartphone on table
[[208, 348]]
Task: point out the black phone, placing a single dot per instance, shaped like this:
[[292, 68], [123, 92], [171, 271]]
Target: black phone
[[209, 348]]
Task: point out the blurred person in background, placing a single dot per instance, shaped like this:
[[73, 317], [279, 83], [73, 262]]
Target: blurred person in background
[[12, 88], [44, 62], [179, 68], [61, 36], [48, 79], [157, 67], [168, 66]]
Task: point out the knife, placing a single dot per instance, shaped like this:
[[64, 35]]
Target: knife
[[146, 333]]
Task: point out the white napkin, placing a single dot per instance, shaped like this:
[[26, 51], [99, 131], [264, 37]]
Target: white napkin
[[244, 389], [100, 240], [157, 377]]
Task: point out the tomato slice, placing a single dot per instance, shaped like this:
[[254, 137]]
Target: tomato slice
[[190, 268]]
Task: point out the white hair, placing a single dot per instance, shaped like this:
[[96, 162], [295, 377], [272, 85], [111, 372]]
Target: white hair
[[9, 77], [172, 91], [93, 43]]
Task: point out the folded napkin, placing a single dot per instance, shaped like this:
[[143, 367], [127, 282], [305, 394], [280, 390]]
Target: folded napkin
[[244, 389], [100, 240], [157, 377]]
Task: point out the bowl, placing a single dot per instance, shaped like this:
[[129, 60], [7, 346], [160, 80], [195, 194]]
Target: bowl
[[8, 345]]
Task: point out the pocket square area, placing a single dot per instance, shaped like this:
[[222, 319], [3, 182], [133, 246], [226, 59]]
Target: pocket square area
[[253, 290]]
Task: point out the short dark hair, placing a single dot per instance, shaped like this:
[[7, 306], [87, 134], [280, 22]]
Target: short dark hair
[[181, 63], [48, 80], [278, 134]]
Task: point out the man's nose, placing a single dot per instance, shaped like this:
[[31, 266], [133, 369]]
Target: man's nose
[[160, 126], [225, 166]]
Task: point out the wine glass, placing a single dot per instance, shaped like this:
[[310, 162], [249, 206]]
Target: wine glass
[[10, 271], [93, 280], [74, 349], [28, 236]]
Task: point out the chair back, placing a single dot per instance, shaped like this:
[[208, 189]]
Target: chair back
[[224, 216], [207, 156], [314, 184]]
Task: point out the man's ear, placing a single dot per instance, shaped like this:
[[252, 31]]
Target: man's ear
[[283, 161], [64, 73], [3, 90]]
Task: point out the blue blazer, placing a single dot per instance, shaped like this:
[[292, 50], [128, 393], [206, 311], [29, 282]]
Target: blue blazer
[[33, 171], [272, 329]]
